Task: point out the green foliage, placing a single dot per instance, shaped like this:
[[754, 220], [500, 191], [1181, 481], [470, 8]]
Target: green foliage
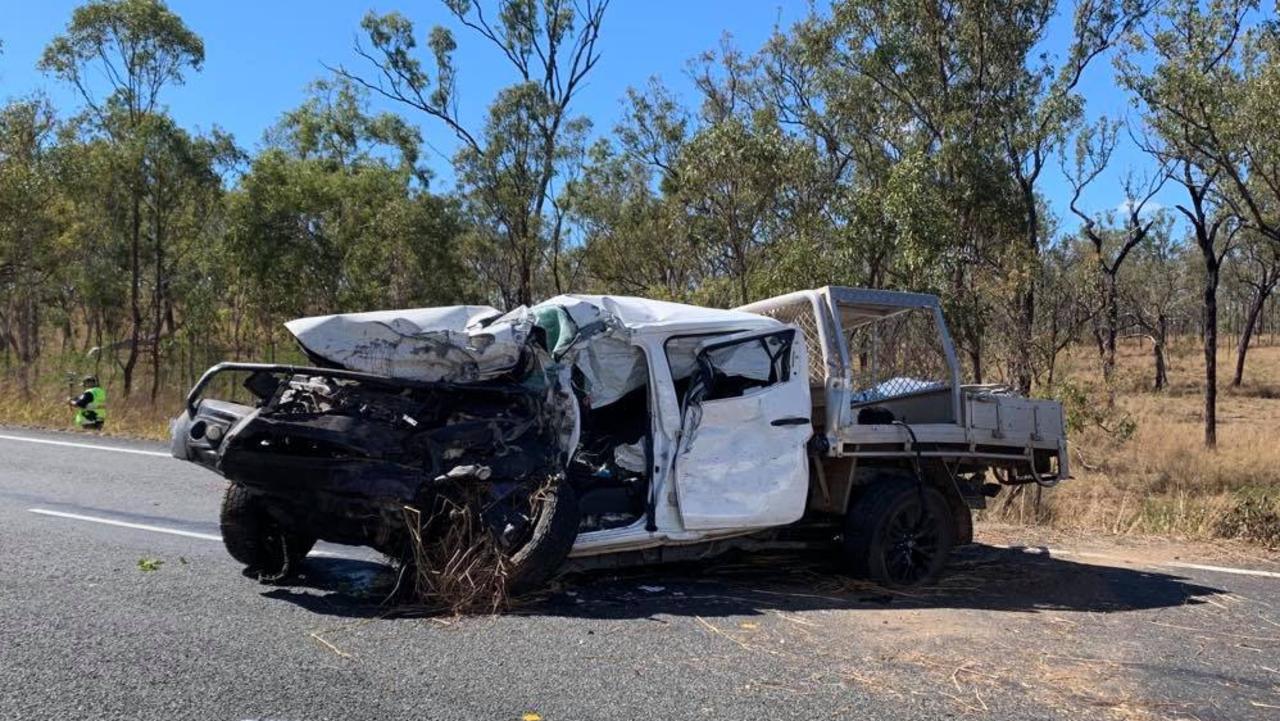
[[1085, 407], [881, 143], [30, 205], [139, 46], [149, 565], [141, 244], [334, 214]]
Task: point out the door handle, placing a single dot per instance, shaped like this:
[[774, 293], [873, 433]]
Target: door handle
[[795, 421]]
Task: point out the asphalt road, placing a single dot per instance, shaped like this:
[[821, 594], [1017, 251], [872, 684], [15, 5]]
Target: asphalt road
[[86, 633]]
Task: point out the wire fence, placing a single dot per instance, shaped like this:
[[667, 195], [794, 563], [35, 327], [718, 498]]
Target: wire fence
[[896, 355], [888, 355], [802, 316]]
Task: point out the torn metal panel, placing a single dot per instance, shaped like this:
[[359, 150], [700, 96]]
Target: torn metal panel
[[455, 343], [339, 458], [612, 368], [653, 316]]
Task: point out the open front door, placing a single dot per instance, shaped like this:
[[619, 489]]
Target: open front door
[[742, 460]]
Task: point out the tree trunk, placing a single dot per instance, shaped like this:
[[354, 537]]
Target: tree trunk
[[1246, 334], [157, 295], [1210, 350], [135, 288], [1027, 313], [1157, 349], [1109, 337], [1022, 354]]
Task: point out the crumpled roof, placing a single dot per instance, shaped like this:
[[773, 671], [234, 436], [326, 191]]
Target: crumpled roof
[[473, 342], [645, 314]]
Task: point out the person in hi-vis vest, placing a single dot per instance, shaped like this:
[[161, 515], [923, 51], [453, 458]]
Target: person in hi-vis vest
[[91, 406]]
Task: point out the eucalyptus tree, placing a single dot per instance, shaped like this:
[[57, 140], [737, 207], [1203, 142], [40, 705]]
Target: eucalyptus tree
[[335, 214], [1256, 267], [1111, 240], [635, 238], [1157, 291], [120, 55], [1177, 70], [184, 210], [510, 167], [941, 116], [1038, 106], [29, 226], [1219, 68], [1064, 310], [873, 92]]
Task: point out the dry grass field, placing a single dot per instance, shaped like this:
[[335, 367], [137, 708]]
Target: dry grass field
[[1159, 480], [47, 408]]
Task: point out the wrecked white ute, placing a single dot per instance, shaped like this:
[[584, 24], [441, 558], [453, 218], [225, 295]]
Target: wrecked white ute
[[604, 430]]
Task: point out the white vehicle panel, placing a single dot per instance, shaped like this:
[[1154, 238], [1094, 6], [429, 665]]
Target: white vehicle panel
[[742, 461]]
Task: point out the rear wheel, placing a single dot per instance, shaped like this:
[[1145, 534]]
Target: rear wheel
[[253, 538], [898, 533]]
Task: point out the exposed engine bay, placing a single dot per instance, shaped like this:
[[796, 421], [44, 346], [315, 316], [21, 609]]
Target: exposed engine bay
[[344, 456]]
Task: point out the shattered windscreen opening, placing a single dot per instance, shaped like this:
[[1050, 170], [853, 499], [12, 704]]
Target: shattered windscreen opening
[[735, 369]]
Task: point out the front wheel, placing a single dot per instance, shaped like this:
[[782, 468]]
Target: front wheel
[[522, 535], [554, 530], [253, 538], [898, 533]]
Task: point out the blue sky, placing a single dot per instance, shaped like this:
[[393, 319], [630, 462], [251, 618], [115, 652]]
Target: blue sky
[[259, 57]]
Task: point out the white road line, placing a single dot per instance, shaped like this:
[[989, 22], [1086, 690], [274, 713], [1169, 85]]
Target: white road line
[[1045, 551], [1224, 569], [126, 524], [148, 527], [93, 446]]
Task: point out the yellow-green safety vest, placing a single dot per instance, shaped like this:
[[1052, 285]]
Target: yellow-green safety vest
[[98, 405]]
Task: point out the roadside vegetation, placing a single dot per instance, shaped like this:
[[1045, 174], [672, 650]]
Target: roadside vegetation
[[877, 143], [1153, 476]]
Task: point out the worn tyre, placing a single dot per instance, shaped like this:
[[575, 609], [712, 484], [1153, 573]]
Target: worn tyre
[[898, 533], [553, 535], [254, 539]]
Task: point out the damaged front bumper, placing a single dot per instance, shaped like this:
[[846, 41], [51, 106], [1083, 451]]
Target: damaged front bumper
[[340, 453]]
